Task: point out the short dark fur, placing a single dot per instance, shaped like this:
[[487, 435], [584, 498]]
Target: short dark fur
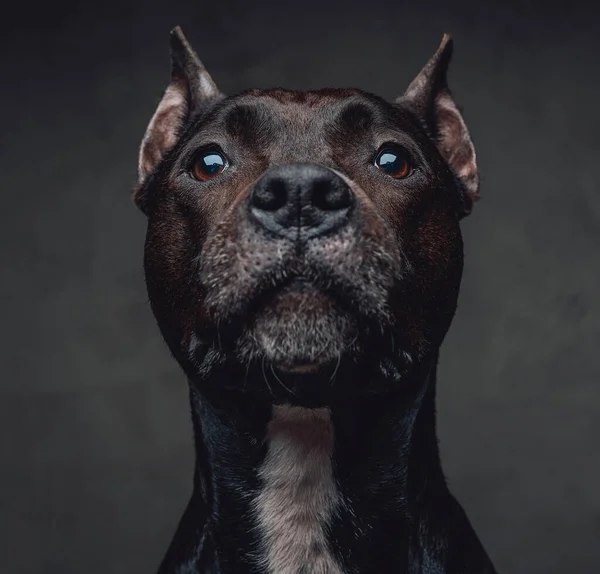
[[368, 302]]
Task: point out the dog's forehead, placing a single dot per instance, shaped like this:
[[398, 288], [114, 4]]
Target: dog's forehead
[[280, 110], [292, 104]]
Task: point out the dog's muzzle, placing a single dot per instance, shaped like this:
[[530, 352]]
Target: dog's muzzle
[[301, 201]]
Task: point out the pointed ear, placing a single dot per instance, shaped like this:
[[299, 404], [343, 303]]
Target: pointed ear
[[430, 98], [190, 88]]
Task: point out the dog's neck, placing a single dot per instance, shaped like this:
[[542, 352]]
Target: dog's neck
[[282, 487]]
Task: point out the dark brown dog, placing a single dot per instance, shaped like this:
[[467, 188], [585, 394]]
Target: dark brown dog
[[303, 261]]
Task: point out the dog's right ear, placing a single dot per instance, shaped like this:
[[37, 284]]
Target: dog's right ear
[[430, 98], [190, 88]]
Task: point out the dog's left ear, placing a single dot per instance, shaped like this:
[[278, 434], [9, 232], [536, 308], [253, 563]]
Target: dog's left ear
[[190, 88], [430, 98]]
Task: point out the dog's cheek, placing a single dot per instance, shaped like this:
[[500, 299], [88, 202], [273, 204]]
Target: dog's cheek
[[235, 263], [424, 301], [170, 268], [439, 270]]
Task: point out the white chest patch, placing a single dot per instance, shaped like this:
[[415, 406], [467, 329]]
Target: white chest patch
[[298, 494]]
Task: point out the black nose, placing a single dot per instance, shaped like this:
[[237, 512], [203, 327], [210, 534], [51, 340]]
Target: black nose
[[301, 200]]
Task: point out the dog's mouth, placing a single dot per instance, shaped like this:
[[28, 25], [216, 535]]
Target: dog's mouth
[[296, 328], [274, 306], [294, 293]]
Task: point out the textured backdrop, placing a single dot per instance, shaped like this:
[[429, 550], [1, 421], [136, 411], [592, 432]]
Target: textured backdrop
[[95, 445]]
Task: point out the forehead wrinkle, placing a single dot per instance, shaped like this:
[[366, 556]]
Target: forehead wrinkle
[[352, 123], [248, 122], [355, 116]]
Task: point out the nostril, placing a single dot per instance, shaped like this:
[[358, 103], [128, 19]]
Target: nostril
[[331, 196], [270, 197], [299, 201]]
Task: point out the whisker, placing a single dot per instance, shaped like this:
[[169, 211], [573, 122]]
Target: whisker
[[265, 376], [351, 344], [218, 325], [281, 382], [337, 366]]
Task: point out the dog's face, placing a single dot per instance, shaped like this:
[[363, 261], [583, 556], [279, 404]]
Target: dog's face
[[304, 234]]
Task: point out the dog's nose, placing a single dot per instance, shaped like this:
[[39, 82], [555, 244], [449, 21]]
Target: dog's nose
[[301, 200]]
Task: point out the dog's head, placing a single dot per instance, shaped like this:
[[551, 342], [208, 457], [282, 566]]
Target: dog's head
[[302, 235]]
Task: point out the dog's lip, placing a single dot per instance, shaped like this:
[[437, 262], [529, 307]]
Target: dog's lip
[[312, 281], [300, 368], [300, 283], [283, 282], [293, 282]]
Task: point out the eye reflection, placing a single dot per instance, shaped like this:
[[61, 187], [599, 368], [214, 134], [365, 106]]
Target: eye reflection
[[208, 165], [395, 161]]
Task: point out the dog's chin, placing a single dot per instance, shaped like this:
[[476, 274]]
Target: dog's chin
[[300, 331]]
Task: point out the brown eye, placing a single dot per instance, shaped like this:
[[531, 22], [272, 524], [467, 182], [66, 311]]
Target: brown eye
[[208, 165], [394, 161]]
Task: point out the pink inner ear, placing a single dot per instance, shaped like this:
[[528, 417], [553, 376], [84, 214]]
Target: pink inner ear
[[455, 143], [162, 131]]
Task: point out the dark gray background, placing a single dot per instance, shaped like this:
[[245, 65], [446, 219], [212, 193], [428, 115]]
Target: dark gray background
[[95, 445]]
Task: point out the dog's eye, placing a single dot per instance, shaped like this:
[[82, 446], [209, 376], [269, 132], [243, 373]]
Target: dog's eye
[[208, 165], [394, 161]]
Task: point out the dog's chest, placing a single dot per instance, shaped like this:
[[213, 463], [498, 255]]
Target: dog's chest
[[298, 495]]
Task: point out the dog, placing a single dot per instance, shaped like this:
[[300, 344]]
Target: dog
[[303, 259]]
